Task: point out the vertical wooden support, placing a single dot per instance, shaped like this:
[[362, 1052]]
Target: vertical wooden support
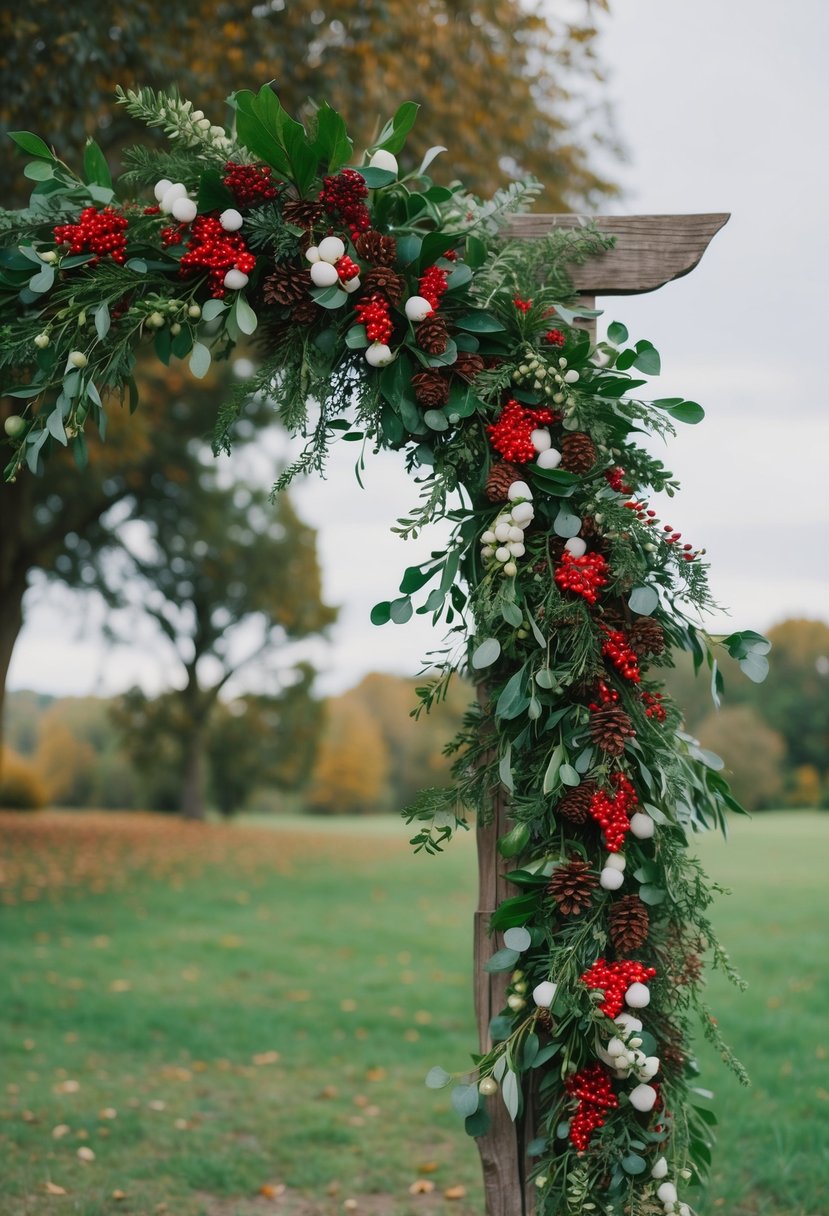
[[649, 252]]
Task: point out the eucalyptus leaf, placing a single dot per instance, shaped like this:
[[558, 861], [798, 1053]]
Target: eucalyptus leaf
[[437, 1078], [465, 1099], [502, 960], [643, 600], [200, 360], [511, 1094], [518, 938], [486, 653]]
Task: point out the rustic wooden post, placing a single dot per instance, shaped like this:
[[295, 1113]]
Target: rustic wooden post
[[650, 250]]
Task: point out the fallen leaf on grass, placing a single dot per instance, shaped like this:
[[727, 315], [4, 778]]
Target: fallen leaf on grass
[[120, 986], [328, 1091], [157, 1104], [454, 1192], [375, 1074], [109, 1112], [423, 1186], [85, 1153], [66, 1087], [350, 1205], [428, 1167], [28, 1116], [272, 1190], [52, 1188], [119, 1194], [61, 1130], [265, 1057]]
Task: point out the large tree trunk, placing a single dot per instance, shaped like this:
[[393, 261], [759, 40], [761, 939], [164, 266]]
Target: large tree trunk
[[192, 793], [11, 621]]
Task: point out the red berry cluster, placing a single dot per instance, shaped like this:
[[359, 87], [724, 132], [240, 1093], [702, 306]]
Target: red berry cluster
[[653, 706], [250, 185], [554, 337], [614, 979], [582, 575], [432, 285], [615, 478], [211, 248], [618, 650], [374, 314], [346, 268], [173, 235], [613, 814], [648, 517], [606, 695], [343, 197], [595, 1094], [98, 232], [510, 435], [522, 305]]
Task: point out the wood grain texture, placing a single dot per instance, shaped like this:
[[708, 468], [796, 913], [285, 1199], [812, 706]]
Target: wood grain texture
[[650, 250]]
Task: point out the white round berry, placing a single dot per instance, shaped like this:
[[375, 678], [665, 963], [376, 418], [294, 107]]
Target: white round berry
[[516, 1002], [615, 861], [642, 826], [516, 534], [42, 341], [628, 1022], [14, 426], [667, 1192], [576, 546], [637, 996], [549, 459], [487, 552], [541, 440], [643, 1098], [324, 274], [522, 513], [78, 359], [616, 1048], [312, 254], [544, 994], [516, 548], [331, 249], [487, 1085], [611, 880], [378, 354], [660, 1168], [381, 159], [488, 537], [519, 489], [231, 220], [417, 308], [510, 569], [161, 187], [648, 1068], [502, 554], [184, 210], [194, 311], [502, 531], [571, 377], [177, 190], [235, 279], [352, 284]]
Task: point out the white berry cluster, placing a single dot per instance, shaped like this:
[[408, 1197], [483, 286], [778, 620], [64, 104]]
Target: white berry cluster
[[552, 379], [323, 259], [173, 199], [181, 121], [504, 541], [666, 1192]]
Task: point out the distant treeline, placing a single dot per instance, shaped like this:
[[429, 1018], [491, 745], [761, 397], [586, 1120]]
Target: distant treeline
[[362, 752]]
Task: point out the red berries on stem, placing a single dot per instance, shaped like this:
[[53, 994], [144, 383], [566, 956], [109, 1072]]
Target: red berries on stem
[[592, 1087], [211, 248], [510, 435], [614, 979], [618, 650], [433, 283], [374, 314], [583, 575], [251, 185], [613, 813], [343, 196], [98, 232]]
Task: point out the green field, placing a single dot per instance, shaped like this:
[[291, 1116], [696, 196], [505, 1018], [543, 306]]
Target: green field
[[213, 1011]]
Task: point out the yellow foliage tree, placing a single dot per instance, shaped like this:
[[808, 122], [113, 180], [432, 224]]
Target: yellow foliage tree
[[353, 765]]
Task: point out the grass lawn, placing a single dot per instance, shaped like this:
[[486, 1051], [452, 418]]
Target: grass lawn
[[220, 1013]]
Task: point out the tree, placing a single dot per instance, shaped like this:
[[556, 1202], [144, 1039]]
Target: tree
[[752, 751], [796, 702], [353, 765], [501, 83], [222, 576]]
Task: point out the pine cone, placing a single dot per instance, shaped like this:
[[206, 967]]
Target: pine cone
[[610, 726], [388, 281], [432, 335], [647, 637], [629, 924], [306, 312], [375, 248], [286, 284], [468, 365], [544, 1020], [671, 1050], [578, 453], [431, 389], [575, 805], [302, 212], [589, 528], [501, 476], [572, 886]]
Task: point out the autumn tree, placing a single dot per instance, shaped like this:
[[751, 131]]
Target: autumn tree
[[753, 754], [224, 578], [796, 701], [510, 88], [353, 765]]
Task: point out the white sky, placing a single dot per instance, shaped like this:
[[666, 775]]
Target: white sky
[[722, 107]]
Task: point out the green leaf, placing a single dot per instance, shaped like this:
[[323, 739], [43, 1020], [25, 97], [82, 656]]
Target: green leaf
[[551, 773], [476, 252], [356, 338], [545, 678], [634, 1164], [244, 316], [647, 359], [200, 360], [32, 144], [95, 167], [545, 1054], [617, 333], [643, 600], [505, 769], [486, 653], [478, 323], [102, 320], [459, 277], [479, 1123], [515, 840], [214, 195], [436, 421], [39, 171], [513, 697], [429, 156], [381, 613], [652, 895], [393, 136], [400, 610], [465, 1099], [518, 938], [568, 775], [755, 666], [212, 309], [437, 1078], [566, 523], [511, 1093], [502, 960], [54, 425], [43, 280], [415, 577], [376, 178], [512, 614], [329, 297], [331, 144], [268, 131]]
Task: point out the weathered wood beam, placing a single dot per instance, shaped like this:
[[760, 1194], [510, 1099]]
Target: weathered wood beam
[[650, 250]]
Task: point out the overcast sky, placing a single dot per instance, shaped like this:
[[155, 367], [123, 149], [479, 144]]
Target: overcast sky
[[722, 107]]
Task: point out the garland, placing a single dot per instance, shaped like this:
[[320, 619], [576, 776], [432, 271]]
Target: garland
[[392, 314]]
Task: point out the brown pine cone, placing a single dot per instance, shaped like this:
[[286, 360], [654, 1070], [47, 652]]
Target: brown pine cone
[[286, 284], [671, 1049], [468, 365], [610, 726], [629, 924], [431, 389], [302, 212], [375, 248], [432, 335], [647, 637], [501, 476], [578, 453], [544, 1019], [306, 312], [589, 528], [388, 281], [575, 805], [572, 886]]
